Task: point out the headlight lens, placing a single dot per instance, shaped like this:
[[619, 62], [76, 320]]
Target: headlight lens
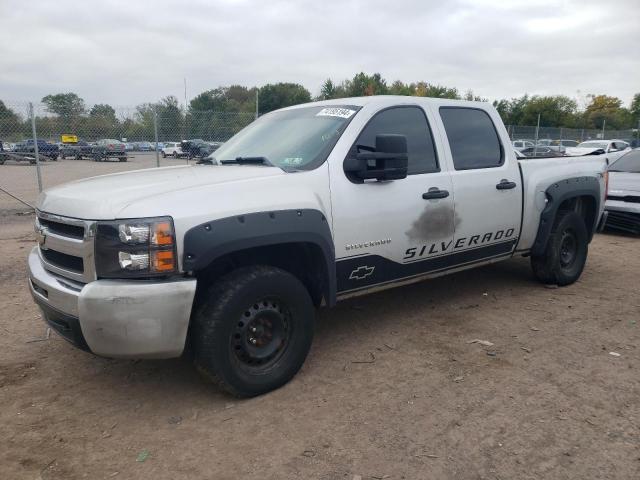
[[143, 247]]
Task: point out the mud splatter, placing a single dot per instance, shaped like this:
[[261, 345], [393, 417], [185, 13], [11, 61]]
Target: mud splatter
[[433, 223]]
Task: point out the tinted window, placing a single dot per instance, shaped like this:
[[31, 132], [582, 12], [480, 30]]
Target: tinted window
[[410, 122], [472, 137], [629, 162]]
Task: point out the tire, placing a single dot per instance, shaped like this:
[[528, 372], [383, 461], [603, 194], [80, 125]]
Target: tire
[[224, 345], [164, 155], [122, 159], [175, 155], [566, 251], [63, 157]]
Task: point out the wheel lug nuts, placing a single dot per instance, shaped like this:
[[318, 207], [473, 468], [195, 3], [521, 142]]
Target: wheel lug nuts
[[254, 329], [253, 340]]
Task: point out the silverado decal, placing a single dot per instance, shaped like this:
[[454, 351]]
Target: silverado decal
[[462, 242], [372, 243]]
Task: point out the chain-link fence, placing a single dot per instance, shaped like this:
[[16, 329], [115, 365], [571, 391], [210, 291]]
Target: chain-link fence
[[145, 136], [520, 132]]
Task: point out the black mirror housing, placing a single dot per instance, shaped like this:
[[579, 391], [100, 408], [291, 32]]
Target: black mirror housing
[[389, 161]]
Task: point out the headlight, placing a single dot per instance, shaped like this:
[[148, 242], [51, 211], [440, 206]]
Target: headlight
[[141, 247]]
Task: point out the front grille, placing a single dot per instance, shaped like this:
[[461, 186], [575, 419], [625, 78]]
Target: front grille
[[66, 246], [625, 221], [64, 261], [65, 229]]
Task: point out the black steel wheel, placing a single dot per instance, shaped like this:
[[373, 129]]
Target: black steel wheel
[[252, 329], [565, 255]]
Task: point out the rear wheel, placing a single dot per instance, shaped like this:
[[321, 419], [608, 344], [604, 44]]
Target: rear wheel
[[175, 154], [252, 330], [566, 252]]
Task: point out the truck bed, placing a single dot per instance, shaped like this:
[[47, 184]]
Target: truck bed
[[538, 174]]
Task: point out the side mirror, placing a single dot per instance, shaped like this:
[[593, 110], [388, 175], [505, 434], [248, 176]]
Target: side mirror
[[389, 161]]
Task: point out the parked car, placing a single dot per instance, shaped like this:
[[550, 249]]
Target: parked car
[[144, 146], [565, 143], [307, 206], [172, 149], [623, 198], [108, 148], [45, 149], [541, 151], [614, 149], [75, 150], [129, 147], [198, 148], [521, 144]]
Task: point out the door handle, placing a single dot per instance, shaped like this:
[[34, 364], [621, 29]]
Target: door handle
[[435, 193], [505, 185]]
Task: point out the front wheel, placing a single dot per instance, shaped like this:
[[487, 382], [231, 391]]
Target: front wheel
[[566, 252], [122, 159], [252, 330], [164, 155]]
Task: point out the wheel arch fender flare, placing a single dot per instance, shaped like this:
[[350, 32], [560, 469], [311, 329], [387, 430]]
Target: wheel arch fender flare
[[556, 194], [206, 242]]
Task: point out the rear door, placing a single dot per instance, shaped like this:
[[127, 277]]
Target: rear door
[[486, 183]]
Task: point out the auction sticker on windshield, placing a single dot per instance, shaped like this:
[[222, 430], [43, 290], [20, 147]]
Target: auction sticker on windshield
[[335, 112]]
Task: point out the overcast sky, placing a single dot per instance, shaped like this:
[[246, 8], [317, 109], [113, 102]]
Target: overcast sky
[[128, 52]]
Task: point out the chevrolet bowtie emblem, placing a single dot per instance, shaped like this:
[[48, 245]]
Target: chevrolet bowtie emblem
[[41, 236], [361, 273]]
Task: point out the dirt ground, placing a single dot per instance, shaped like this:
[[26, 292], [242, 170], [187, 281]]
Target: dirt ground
[[392, 388]]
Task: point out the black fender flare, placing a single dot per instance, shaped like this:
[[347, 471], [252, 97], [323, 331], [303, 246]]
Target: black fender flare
[[208, 241], [557, 193]]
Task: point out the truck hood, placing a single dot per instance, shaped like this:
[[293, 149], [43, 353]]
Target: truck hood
[[104, 197], [624, 183]]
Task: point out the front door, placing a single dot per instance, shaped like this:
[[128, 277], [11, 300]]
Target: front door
[[386, 231]]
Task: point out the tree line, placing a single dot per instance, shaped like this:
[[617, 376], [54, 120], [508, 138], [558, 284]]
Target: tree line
[[218, 113]]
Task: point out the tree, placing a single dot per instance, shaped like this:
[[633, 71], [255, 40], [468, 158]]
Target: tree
[[362, 85], [102, 110], [66, 105], [10, 124], [400, 88], [330, 90], [635, 107], [554, 111], [605, 108], [280, 95], [170, 119], [424, 89]]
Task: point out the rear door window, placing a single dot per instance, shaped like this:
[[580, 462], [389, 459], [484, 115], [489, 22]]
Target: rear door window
[[473, 138]]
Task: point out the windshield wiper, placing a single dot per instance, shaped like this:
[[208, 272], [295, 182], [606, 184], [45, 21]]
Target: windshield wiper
[[247, 161], [207, 161]]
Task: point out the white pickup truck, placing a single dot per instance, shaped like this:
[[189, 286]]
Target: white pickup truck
[[304, 207]]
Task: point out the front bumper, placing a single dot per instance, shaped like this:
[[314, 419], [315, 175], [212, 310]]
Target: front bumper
[[115, 318], [623, 216]]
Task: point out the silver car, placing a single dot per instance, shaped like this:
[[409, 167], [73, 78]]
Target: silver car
[[623, 197]]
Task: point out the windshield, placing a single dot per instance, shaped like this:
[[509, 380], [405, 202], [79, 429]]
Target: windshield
[[627, 163], [297, 139], [593, 145]]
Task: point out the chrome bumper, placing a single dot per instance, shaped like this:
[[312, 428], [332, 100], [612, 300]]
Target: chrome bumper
[[115, 318]]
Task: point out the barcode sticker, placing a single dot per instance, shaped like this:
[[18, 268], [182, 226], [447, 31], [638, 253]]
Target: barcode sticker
[[335, 112]]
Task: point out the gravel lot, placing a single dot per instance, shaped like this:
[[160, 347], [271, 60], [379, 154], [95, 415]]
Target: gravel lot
[[392, 389]]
